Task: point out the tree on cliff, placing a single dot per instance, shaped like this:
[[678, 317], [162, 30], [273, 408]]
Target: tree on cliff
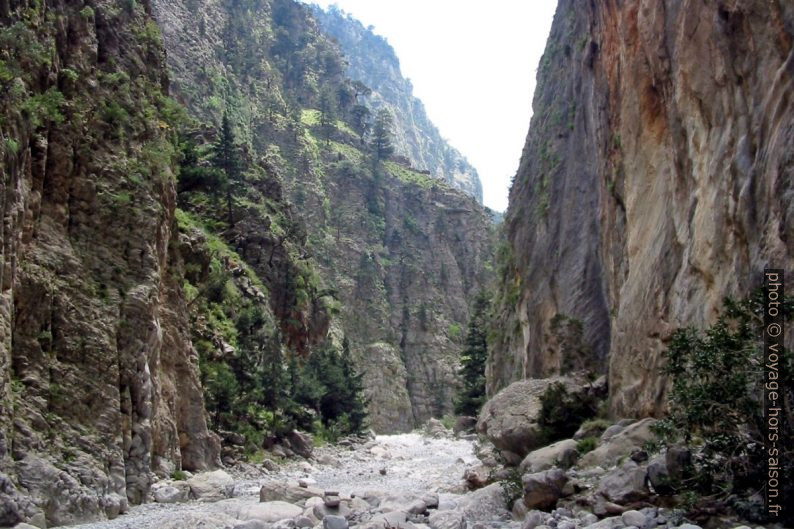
[[472, 370], [226, 157], [382, 146], [328, 113]]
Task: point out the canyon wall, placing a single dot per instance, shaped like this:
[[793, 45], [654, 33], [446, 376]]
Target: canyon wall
[[100, 384], [401, 252], [655, 180]]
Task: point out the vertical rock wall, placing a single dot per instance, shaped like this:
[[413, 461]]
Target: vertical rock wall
[[100, 381], [656, 179]]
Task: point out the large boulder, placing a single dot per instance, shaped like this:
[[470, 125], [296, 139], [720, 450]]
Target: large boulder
[[619, 445], [464, 424], [543, 489], [510, 418], [171, 492], [561, 454], [485, 504], [300, 443], [211, 486], [665, 471], [625, 484]]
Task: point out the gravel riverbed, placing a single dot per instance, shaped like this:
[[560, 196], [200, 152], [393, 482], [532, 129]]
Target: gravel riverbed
[[413, 463]]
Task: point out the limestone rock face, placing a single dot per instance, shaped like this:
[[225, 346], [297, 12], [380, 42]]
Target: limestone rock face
[[655, 180], [373, 62], [99, 382]]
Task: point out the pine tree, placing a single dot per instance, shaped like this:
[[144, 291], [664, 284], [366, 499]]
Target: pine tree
[[382, 146], [473, 358], [357, 402], [328, 113], [226, 157]]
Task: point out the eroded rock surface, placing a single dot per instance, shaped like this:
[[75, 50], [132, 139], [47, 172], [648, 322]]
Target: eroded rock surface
[[656, 179]]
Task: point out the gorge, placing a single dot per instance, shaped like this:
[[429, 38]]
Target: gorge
[[227, 223]]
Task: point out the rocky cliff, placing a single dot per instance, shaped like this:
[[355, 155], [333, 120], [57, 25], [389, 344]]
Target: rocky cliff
[[100, 383], [398, 253], [372, 61], [655, 180]]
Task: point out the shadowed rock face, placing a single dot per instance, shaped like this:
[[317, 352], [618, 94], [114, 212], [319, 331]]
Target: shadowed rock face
[[655, 180], [99, 377]]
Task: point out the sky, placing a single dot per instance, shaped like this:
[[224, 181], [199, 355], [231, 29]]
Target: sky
[[473, 65]]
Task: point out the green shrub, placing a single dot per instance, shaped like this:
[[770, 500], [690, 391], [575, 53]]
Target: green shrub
[[562, 413], [12, 146], [512, 486], [44, 107], [178, 475], [716, 402], [585, 445]]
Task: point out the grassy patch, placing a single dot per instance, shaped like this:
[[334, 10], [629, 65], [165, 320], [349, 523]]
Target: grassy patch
[[310, 117], [410, 176]]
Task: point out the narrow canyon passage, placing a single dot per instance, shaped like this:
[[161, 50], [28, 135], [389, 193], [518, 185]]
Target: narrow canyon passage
[[414, 465]]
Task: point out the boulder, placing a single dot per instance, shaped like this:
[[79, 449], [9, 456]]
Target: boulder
[[431, 500], [331, 500], [613, 522], [535, 519], [624, 484], [175, 492], [304, 522], [270, 465], [543, 489], [335, 522], [287, 491], [211, 486], [477, 477], [485, 504], [611, 432], [562, 454], [635, 518], [321, 511], [446, 520], [665, 471], [620, 445], [510, 418], [435, 428], [301, 443], [464, 424]]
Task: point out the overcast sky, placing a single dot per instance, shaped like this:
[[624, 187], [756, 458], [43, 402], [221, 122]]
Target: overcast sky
[[473, 65]]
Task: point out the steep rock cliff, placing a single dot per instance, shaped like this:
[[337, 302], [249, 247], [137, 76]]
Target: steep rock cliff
[[372, 61], [406, 258], [99, 377], [399, 253], [655, 180]]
